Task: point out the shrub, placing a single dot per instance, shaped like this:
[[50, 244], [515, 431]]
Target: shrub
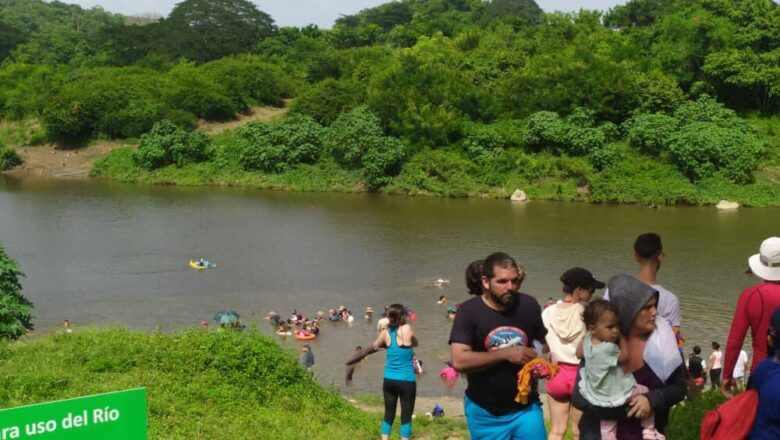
[[483, 142], [8, 158], [642, 179], [440, 172], [327, 99], [655, 92], [352, 134], [112, 102], [167, 144], [191, 90], [574, 135], [383, 161], [685, 420], [15, 309], [276, 147], [606, 156], [702, 148], [650, 133], [707, 109], [248, 79]]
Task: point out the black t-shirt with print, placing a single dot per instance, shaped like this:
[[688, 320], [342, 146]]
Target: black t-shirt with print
[[483, 329]]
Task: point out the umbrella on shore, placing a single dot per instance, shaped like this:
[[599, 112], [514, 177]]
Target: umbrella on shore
[[226, 317]]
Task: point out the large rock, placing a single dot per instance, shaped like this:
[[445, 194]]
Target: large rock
[[727, 205], [519, 196]]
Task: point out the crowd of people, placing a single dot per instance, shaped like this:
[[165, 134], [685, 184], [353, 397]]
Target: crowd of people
[[614, 366], [618, 361]]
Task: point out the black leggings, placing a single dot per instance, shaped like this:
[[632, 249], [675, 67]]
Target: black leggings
[[715, 377], [399, 389]]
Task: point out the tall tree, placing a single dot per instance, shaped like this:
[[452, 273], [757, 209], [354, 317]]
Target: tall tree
[[15, 309], [527, 10], [203, 30]]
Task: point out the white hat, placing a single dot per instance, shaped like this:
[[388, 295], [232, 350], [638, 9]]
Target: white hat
[[766, 263]]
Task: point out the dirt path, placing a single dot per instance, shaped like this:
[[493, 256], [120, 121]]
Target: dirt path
[[46, 160], [49, 161], [264, 114]]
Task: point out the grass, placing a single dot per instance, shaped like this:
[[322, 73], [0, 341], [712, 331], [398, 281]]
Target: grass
[[209, 385], [200, 385]]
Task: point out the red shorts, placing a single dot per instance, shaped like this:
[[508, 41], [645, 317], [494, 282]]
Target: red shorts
[[561, 386]]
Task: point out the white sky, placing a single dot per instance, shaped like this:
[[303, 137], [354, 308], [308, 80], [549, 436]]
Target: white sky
[[303, 12]]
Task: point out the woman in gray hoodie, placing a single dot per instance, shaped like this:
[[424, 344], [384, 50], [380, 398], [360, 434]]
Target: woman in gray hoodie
[[654, 361]]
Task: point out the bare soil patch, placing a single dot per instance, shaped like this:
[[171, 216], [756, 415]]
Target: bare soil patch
[[263, 114], [49, 161]]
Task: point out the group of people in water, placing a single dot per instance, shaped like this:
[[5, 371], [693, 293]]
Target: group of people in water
[[614, 366]]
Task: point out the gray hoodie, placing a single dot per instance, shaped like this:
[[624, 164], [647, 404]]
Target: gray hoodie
[[629, 295]]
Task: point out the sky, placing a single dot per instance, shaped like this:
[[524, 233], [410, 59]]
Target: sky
[[302, 12]]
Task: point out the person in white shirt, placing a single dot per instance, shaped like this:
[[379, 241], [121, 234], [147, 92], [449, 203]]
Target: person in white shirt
[[565, 330], [716, 365], [649, 253], [739, 370]]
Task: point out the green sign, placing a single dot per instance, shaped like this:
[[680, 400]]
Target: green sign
[[117, 416]]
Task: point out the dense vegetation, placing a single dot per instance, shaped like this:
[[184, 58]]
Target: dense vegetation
[[665, 101], [15, 309]]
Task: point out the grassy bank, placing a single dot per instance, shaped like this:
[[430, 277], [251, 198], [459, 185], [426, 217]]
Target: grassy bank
[[209, 385], [449, 173], [200, 385]]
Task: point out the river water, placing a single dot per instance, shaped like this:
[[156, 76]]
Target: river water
[[107, 254]]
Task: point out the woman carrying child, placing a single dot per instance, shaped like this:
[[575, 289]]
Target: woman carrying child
[[628, 344]]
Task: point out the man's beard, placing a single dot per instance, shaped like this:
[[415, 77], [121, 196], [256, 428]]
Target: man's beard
[[506, 300]]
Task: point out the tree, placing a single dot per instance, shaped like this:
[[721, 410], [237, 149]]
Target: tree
[[15, 309], [202, 30], [527, 10]]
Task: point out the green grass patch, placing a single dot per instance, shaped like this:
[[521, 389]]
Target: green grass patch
[[199, 384]]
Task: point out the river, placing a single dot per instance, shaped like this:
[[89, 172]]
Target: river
[[107, 254]]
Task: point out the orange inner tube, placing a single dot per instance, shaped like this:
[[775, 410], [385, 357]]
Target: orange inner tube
[[305, 337]]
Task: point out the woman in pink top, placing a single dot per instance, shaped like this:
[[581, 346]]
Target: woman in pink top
[[716, 365], [565, 330]]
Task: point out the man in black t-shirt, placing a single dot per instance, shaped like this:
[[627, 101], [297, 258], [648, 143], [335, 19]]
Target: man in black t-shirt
[[491, 339]]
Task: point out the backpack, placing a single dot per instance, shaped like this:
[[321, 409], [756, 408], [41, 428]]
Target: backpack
[[694, 366], [731, 421]]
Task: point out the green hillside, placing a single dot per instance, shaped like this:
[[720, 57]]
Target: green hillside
[[659, 101]]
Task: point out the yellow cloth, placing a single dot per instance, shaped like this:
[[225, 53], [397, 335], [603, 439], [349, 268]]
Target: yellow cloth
[[525, 375]]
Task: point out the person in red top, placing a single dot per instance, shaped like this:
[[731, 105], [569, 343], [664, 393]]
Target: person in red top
[[754, 307]]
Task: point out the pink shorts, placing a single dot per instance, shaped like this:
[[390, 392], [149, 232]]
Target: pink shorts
[[561, 386]]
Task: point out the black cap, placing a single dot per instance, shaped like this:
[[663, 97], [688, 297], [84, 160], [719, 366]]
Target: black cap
[[579, 277]]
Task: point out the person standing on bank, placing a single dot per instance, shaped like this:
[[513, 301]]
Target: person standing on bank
[[491, 339], [565, 330], [649, 253], [654, 361], [399, 381], [716, 365], [754, 306]]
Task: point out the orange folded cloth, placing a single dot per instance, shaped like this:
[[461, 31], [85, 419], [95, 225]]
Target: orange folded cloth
[[536, 368]]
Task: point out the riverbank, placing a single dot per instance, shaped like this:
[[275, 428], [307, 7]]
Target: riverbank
[[445, 174], [634, 179], [199, 384]]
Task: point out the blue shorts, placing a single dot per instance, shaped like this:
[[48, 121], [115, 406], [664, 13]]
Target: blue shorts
[[526, 424]]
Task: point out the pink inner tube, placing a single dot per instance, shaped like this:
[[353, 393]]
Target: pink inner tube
[[448, 373]]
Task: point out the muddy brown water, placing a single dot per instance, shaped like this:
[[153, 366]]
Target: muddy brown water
[[108, 254]]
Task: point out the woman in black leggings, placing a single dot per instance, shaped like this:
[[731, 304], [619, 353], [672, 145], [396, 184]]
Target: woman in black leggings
[[399, 381]]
